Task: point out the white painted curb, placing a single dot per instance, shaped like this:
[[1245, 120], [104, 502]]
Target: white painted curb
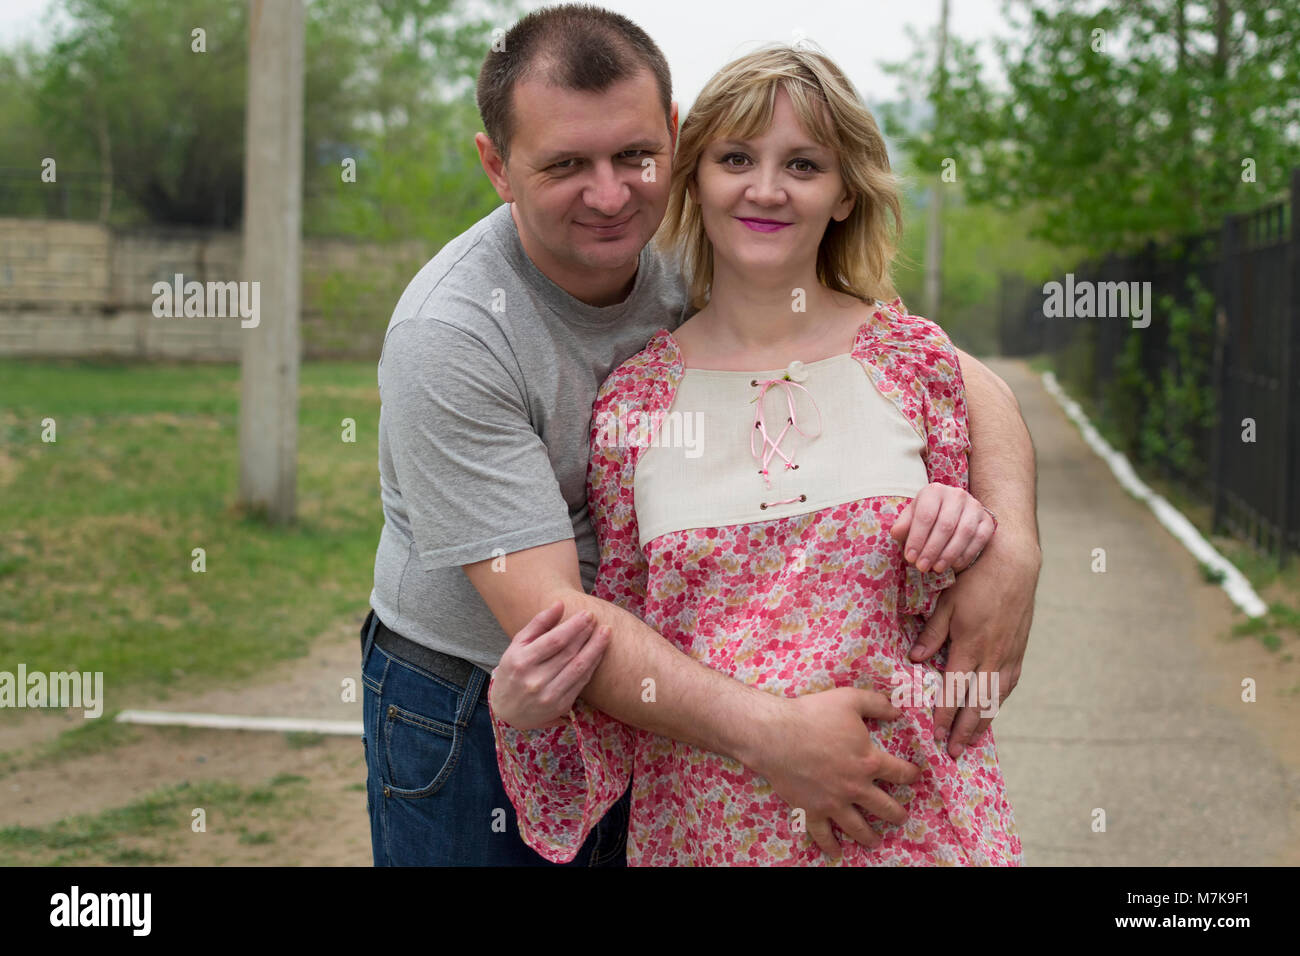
[[162, 718], [1234, 582]]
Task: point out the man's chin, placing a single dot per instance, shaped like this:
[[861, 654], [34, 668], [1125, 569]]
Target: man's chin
[[610, 258]]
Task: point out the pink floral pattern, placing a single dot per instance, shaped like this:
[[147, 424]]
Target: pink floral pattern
[[792, 605]]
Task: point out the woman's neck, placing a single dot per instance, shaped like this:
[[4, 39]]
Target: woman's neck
[[752, 322]]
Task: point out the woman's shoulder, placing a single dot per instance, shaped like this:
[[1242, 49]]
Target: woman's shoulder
[[632, 380], [901, 328], [899, 336]]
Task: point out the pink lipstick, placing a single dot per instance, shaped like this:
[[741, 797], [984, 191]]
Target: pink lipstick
[[764, 225]]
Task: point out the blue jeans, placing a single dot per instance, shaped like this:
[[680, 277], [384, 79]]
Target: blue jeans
[[433, 787]]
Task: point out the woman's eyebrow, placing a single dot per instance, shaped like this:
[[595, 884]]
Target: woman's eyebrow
[[797, 148]]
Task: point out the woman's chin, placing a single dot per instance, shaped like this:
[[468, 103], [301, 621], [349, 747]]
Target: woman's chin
[[757, 269]]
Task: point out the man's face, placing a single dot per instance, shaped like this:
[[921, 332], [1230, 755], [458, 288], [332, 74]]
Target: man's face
[[578, 174]]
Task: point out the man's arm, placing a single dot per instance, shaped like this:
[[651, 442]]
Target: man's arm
[[1002, 468], [693, 703], [815, 750], [987, 613]]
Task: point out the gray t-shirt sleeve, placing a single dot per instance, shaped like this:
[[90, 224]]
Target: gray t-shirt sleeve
[[472, 472]]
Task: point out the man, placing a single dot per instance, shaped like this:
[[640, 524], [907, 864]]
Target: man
[[487, 377]]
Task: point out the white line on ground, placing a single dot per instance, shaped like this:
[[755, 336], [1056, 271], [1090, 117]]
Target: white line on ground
[[1234, 582], [343, 728]]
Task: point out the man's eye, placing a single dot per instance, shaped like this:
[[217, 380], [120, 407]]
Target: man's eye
[[562, 164]]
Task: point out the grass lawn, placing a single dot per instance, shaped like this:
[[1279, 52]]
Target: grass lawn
[[99, 527], [160, 828]]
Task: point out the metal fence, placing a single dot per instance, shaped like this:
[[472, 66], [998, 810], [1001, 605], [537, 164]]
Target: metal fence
[[74, 194], [1208, 393]]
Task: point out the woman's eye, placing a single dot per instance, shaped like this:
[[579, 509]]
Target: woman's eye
[[810, 166]]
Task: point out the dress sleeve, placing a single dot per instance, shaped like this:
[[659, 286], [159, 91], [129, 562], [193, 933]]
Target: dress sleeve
[[563, 780], [941, 395]]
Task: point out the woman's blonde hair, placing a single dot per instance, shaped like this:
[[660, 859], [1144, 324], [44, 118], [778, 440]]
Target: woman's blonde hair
[[737, 103]]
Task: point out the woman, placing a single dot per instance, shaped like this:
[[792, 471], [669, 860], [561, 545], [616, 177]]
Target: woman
[[760, 545]]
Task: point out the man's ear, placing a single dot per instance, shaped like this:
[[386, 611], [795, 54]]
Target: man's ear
[[673, 128], [494, 166]]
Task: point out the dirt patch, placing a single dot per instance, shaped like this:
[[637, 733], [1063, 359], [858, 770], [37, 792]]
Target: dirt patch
[[320, 821], [326, 826]]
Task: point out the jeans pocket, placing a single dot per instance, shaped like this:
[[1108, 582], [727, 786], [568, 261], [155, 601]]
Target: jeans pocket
[[420, 752]]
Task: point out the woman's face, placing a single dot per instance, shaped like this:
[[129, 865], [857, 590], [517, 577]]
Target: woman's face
[[766, 202]]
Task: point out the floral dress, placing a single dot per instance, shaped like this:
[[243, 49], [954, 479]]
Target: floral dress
[[796, 587]]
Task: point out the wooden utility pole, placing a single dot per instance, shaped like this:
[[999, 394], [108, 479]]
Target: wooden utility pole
[[934, 227], [268, 399]]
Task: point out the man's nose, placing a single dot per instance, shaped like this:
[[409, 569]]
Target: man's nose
[[607, 194]]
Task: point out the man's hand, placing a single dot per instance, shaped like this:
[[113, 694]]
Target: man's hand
[[546, 666], [987, 613], [816, 750], [819, 757]]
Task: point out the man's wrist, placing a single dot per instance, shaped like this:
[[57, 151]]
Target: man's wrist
[[757, 728], [1013, 545]]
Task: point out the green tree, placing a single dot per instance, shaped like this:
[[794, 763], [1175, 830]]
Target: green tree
[[124, 90], [1123, 122]]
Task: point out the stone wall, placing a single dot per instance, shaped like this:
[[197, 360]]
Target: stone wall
[[83, 289]]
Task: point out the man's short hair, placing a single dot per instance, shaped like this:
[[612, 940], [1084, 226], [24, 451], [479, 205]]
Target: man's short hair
[[577, 46]]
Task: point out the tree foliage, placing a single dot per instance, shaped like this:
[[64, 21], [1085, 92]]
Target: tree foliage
[[1124, 121], [123, 90]]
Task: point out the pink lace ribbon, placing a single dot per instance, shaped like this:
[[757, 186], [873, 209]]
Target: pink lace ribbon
[[771, 447]]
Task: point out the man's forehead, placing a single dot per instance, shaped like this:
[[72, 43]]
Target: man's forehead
[[551, 117]]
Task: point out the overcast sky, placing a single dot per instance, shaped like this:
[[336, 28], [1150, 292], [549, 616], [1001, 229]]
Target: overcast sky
[[699, 36], [859, 35]]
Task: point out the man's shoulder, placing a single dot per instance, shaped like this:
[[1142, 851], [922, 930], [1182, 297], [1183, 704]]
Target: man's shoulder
[[670, 282], [452, 294], [457, 272]]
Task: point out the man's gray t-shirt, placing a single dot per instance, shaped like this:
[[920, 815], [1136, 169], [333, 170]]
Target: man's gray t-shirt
[[487, 378]]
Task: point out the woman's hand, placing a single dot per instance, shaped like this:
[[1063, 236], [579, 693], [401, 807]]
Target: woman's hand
[[546, 666], [944, 527]]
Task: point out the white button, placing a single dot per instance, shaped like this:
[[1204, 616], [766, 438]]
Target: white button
[[797, 372]]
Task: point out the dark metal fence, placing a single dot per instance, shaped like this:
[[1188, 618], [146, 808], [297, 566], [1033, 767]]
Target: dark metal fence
[[74, 194], [1208, 394]]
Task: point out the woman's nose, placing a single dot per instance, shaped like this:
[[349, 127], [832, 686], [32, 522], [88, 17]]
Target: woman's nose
[[765, 189]]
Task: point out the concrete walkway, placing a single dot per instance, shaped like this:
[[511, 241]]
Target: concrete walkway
[[1130, 697]]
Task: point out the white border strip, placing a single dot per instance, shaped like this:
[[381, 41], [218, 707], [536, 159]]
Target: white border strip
[[1234, 582], [162, 718]]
